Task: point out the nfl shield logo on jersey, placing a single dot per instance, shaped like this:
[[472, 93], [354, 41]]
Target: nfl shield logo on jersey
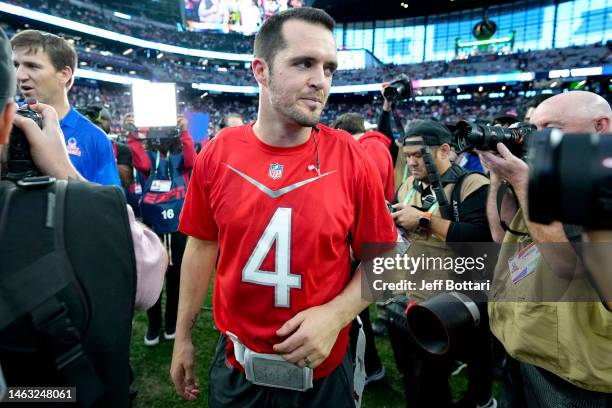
[[276, 171]]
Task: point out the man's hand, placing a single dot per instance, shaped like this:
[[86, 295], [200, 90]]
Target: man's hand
[[387, 106], [47, 145], [507, 167], [182, 370], [182, 123], [130, 127], [406, 217], [312, 334]]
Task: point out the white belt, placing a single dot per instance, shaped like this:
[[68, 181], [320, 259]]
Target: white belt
[[270, 370]]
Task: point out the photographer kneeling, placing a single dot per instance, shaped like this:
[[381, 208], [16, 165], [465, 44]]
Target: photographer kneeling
[[423, 211], [562, 348], [75, 263]]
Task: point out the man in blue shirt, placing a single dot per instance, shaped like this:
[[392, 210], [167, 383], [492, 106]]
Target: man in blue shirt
[[45, 66]]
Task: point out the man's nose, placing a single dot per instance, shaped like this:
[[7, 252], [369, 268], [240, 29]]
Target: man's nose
[[21, 74], [317, 78]]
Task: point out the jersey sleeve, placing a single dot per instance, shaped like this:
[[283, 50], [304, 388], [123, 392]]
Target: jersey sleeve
[[373, 222], [196, 218]]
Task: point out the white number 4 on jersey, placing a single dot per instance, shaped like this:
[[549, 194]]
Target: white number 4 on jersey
[[279, 231]]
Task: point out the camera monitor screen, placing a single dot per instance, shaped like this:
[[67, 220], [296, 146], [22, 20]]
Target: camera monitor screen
[[154, 104]]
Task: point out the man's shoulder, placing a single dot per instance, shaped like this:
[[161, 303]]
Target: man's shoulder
[[471, 182], [340, 141]]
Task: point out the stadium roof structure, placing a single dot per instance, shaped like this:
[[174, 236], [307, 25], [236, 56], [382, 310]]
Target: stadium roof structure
[[342, 10], [369, 10]]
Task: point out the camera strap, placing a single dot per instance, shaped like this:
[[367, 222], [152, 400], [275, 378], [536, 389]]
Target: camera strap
[[503, 188]]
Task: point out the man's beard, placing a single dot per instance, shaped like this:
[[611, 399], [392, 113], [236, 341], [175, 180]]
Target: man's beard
[[293, 112]]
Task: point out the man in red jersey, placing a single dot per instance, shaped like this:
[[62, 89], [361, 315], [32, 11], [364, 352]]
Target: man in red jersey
[[375, 143], [284, 199]]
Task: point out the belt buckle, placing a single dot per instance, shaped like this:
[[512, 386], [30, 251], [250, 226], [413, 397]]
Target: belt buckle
[[271, 370]]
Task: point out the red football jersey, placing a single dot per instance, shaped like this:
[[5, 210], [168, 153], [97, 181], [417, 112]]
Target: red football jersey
[[284, 230]]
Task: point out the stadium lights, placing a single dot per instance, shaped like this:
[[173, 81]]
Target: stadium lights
[[483, 42], [106, 77], [128, 51], [111, 35], [576, 72], [122, 15]]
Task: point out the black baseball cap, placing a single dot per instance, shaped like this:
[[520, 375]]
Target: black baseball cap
[[7, 69], [432, 132]]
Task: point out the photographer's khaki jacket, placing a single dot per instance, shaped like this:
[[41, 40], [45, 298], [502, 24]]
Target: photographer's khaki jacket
[[572, 339], [429, 245]]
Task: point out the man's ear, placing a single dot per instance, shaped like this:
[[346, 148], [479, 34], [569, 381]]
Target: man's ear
[[261, 71], [444, 151], [603, 125], [66, 77], [6, 121]]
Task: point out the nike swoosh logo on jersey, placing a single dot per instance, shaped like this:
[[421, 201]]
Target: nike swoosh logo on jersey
[[276, 193]]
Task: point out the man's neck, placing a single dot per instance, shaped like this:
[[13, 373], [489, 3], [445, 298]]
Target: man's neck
[[441, 170], [357, 136], [61, 106], [280, 133]]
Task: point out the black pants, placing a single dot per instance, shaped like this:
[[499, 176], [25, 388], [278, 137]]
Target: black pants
[[173, 275], [229, 388], [425, 376]]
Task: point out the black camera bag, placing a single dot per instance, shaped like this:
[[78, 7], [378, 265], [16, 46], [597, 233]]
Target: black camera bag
[[67, 289]]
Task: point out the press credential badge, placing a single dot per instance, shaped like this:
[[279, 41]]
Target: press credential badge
[[524, 262]]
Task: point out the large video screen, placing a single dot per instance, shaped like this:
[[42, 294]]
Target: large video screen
[[241, 16]]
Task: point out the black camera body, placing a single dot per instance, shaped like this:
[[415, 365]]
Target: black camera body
[[399, 89], [470, 136], [570, 178], [20, 164]]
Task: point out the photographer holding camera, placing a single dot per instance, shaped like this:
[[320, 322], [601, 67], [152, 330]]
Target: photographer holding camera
[[423, 214], [563, 348], [166, 164], [67, 293]]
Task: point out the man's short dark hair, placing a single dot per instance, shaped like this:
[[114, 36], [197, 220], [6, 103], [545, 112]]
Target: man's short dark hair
[[350, 122], [226, 118], [61, 53], [269, 40]]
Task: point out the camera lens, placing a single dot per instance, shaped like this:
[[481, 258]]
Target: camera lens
[[392, 92], [471, 136], [571, 179]]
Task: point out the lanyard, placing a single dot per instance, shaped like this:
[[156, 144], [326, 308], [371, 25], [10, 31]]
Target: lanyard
[[405, 176], [409, 196], [157, 163]]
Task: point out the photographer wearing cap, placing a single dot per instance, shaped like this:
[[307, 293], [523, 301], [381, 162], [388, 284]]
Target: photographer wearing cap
[[563, 348], [45, 65], [419, 212], [67, 293]]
